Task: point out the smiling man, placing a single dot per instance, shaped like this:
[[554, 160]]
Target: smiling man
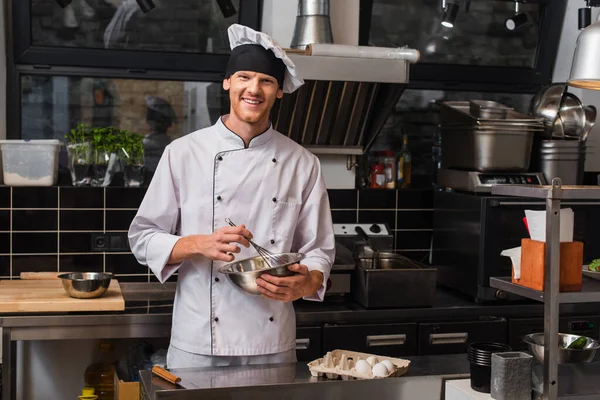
[[242, 169]]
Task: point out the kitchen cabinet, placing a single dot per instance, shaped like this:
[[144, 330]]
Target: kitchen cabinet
[[578, 325], [309, 343], [453, 337], [383, 339]]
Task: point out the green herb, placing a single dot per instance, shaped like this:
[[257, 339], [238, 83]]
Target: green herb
[[594, 265], [131, 148]]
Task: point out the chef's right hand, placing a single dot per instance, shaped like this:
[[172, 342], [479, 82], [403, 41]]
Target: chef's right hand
[[220, 245]]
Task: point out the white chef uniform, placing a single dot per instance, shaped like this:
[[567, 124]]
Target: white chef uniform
[[274, 187]]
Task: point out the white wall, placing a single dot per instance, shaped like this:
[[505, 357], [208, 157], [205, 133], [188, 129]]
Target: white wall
[[562, 69]]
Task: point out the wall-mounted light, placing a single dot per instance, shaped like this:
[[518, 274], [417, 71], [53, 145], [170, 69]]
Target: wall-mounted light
[[517, 20], [146, 5], [63, 3], [450, 13]]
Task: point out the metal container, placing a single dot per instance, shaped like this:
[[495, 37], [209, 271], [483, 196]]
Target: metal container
[[564, 159], [546, 103], [487, 150], [535, 341], [86, 285], [243, 273], [488, 109], [395, 286], [511, 376]]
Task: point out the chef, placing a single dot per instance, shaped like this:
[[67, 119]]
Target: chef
[[271, 187]]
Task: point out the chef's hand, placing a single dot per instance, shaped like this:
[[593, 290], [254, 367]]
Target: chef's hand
[[289, 288], [219, 245]]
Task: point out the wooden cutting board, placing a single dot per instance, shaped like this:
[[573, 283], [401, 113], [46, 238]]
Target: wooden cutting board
[[31, 296]]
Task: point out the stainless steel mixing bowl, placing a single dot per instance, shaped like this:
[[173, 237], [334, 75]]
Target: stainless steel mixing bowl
[[535, 341], [86, 285], [243, 273]]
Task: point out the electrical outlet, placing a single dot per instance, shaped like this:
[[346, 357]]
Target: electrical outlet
[[112, 241]]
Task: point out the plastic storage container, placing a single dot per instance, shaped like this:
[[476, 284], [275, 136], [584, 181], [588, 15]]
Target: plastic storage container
[[30, 162]]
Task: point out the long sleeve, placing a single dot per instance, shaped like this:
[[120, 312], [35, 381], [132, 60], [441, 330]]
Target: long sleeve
[[314, 233], [152, 231]]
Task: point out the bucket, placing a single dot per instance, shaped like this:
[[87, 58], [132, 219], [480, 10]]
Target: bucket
[[564, 159], [480, 360]]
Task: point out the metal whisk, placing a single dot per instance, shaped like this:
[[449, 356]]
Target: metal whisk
[[273, 260]]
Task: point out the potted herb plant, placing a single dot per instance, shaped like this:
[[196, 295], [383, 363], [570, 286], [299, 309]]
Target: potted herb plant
[[131, 153], [79, 154], [104, 141]]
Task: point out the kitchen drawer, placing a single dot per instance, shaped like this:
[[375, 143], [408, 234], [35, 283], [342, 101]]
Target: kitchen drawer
[[308, 343], [391, 340], [454, 337], [584, 325]]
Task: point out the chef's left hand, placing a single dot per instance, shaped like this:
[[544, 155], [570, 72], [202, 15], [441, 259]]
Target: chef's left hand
[[290, 288]]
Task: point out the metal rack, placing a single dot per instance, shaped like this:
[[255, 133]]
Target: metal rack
[[551, 295]]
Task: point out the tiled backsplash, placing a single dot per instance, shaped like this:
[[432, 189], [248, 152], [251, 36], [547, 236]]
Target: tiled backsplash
[[53, 228]]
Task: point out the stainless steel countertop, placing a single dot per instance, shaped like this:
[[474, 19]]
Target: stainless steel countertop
[[291, 381]]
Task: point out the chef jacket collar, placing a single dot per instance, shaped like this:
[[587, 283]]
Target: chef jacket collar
[[232, 138]]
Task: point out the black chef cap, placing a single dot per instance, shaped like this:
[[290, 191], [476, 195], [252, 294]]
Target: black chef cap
[[254, 57]]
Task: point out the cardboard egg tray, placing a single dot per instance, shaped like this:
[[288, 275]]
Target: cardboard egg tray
[[341, 364]]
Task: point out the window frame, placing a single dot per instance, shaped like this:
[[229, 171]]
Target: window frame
[[486, 78], [25, 59]]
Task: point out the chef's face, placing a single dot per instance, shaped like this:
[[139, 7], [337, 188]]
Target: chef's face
[[252, 95]]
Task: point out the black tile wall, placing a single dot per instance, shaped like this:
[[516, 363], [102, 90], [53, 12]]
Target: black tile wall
[[81, 220], [40, 220], [49, 229], [76, 197]]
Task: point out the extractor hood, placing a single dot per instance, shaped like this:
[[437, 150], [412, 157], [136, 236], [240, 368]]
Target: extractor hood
[[343, 104]]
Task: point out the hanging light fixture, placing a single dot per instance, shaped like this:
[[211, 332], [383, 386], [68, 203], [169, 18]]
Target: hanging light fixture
[[517, 20], [146, 5], [450, 13], [585, 71], [63, 3]]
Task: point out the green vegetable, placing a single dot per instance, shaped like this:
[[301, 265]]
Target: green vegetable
[[578, 344], [594, 265]]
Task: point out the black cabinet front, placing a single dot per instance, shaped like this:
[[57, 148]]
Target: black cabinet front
[[454, 337], [308, 343], [391, 340]]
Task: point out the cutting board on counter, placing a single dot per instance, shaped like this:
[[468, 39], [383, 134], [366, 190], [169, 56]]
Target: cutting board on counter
[[31, 296]]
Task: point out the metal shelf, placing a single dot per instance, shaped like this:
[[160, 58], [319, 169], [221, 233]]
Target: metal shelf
[[590, 291], [541, 192]]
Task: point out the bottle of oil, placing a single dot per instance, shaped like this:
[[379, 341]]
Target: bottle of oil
[[404, 165], [101, 375]]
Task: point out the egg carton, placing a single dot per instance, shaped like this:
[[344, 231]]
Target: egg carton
[[342, 364]]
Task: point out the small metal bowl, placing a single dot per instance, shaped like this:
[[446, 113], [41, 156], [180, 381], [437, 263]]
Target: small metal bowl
[[535, 341], [243, 273], [86, 285]]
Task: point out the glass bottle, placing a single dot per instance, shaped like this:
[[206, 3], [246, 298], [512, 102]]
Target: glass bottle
[[404, 165], [100, 375]]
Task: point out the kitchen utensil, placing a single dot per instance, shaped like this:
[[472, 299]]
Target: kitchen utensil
[[572, 115], [86, 285], [272, 260], [375, 257], [546, 104], [535, 341], [243, 274], [488, 109], [590, 120], [40, 275]]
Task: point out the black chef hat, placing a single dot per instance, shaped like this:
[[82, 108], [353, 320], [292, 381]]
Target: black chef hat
[[254, 57]]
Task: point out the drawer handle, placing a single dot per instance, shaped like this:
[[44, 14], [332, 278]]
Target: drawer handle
[[302, 344], [386, 340], [448, 338]]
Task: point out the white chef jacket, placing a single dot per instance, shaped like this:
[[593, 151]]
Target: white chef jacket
[[274, 187]]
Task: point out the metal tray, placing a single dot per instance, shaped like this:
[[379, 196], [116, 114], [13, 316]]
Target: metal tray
[[458, 112]]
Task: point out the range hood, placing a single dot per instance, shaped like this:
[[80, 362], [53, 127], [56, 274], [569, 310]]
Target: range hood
[[343, 104]]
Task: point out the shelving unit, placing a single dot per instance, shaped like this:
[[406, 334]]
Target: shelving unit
[[551, 295]]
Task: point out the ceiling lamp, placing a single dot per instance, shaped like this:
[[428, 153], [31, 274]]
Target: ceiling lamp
[[146, 5], [585, 71], [517, 20], [450, 13]]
